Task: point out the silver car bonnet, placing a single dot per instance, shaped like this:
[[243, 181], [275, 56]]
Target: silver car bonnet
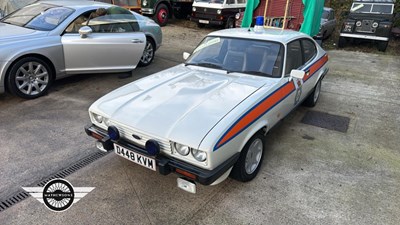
[[11, 33], [183, 106]]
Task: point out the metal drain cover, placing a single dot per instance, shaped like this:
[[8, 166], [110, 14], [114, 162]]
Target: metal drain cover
[[327, 121]]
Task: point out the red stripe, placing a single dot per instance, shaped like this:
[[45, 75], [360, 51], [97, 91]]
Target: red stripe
[[315, 67]]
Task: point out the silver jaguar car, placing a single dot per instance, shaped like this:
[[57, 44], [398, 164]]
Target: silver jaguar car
[[49, 40]]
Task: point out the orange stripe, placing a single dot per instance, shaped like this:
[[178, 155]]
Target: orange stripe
[[314, 68], [257, 111]]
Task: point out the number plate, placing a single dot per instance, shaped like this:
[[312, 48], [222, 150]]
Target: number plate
[[204, 21], [137, 158]]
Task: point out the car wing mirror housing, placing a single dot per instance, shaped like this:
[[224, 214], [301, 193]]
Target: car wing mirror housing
[[85, 31], [299, 74], [186, 55]]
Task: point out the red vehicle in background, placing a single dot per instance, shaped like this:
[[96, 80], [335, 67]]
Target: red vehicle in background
[[276, 12]]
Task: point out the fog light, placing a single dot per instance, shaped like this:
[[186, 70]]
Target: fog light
[[152, 147], [113, 133]]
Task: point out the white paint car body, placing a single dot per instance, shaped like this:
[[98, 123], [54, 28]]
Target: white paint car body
[[214, 110]]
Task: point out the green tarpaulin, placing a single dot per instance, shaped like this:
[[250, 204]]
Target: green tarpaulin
[[312, 16], [251, 5]]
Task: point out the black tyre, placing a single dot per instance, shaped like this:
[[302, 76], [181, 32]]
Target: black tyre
[[162, 15], [30, 78], [230, 23], [342, 42], [250, 160], [148, 53], [382, 45], [312, 99]]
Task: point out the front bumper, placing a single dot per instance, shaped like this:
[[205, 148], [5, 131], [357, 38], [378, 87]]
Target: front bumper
[[147, 11], [165, 164], [209, 21], [363, 36]]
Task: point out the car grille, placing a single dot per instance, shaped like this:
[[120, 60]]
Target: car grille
[[366, 27], [128, 133]]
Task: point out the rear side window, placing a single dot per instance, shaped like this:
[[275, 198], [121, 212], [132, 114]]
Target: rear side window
[[309, 50], [294, 56]]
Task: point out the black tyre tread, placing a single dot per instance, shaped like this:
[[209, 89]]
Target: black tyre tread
[[238, 171], [148, 39], [309, 102], [159, 7]]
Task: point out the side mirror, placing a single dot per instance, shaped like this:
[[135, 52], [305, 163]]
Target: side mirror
[[85, 31], [186, 55], [299, 74]]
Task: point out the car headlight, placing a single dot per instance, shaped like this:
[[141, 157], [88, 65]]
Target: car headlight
[[219, 11], [237, 16], [182, 149], [97, 118], [194, 9], [375, 25], [144, 3], [358, 23], [200, 156]]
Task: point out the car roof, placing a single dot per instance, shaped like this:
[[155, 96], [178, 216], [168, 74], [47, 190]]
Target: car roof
[[268, 34], [76, 4]]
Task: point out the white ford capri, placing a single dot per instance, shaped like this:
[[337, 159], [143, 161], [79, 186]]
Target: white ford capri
[[206, 119]]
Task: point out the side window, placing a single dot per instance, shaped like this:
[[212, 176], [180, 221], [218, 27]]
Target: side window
[[294, 58], [230, 1], [241, 1], [79, 22], [309, 49], [113, 20]]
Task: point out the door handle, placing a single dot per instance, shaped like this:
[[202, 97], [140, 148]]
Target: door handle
[[135, 41]]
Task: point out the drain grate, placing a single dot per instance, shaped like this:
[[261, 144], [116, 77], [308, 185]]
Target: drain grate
[[327, 121], [20, 196]]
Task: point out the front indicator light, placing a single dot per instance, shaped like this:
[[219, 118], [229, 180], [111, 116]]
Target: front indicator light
[[199, 155]]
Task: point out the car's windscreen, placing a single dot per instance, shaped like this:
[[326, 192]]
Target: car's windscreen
[[43, 17], [325, 14], [372, 8], [255, 57]]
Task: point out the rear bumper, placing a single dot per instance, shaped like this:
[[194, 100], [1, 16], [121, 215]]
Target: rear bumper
[[165, 164]]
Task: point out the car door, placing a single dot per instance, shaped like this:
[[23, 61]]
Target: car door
[[300, 54], [331, 23], [114, 44]]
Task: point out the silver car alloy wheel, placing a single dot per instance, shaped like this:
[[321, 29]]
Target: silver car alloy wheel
[[147, 53], [253, 156], [31, 78], [317, 91]]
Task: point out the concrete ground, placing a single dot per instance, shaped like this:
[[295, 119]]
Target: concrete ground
[[310, 175]]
